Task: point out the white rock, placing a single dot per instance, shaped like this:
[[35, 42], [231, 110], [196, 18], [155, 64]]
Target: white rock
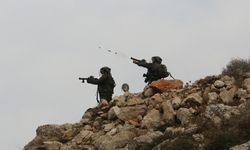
[[219, 84]]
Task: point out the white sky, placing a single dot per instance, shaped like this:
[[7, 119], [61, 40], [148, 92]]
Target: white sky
[[45, 45]]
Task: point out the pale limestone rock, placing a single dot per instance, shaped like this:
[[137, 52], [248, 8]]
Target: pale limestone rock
[[246, 85], [152, 119], [84, 137], [135, 101], [120, 100], [107, 142], [149, 137], [113, 112], [131, 112], [198, 137], [174, 131], [184, 115], [168, 112], [212, 98], [108, 127], [228, 95], [193, 98], [53, 145], [219, 84], [157, 98], [148, 92], [176, 102], [245, 146], [241, 93]]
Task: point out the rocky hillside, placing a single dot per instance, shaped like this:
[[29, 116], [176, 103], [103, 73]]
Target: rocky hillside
[[212, 113]]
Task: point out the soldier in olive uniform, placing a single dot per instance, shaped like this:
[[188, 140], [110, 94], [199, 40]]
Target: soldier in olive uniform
[[105, 84], [156, 70]]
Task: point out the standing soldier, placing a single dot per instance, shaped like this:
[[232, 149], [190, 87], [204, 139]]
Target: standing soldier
[[105, 84], [156, 70]]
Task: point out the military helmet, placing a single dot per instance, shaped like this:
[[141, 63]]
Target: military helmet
[[125, 87], [156, 59], [105, 70]]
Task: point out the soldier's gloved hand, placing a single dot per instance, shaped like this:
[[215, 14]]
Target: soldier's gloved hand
[[89, 78]]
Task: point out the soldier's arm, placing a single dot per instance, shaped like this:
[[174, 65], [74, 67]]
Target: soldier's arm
[[142, 63], [97, 81]]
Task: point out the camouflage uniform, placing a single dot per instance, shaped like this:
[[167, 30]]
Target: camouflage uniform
[[156, 70], [105, 84]]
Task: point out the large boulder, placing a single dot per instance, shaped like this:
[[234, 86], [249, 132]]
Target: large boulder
[[219, 84], [212, 98], [166, 85], [168, 112], [184, 115], [193, 99], [119, 140], [127, 113], [152, 119], [135, 101], [228, 95], [59, 133]]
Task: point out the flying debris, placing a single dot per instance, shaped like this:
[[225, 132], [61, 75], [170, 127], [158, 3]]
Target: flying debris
[[119, 54]]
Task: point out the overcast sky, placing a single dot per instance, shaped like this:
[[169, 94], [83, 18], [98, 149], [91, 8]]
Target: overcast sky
[[45, 45]]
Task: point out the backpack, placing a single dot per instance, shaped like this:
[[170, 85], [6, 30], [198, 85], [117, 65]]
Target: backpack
[[162, 71]]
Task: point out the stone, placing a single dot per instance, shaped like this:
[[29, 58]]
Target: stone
[[113, 112], [107, 142], [53, 145], [184, 115], [212, 98], [157, 98], [85, 121], [241, 93], [103, 103], [246, 85], [198, 137], [83, 138], [217, 121], [87, 127], [134, 123], [174, 131], [219, 84], [220, 110], [228, 95], [245, 146], [191, 129], [120, 100], [194, 98], [135, 101], [108, 127], [176, 102], [149, 137], [32, 145], [52, 132], [166, 85], [131, 112], [148, 92], [152, 119], [168, 112], [112, 132]]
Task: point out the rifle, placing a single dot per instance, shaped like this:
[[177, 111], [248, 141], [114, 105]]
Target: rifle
[[83, 79], [135, 59]]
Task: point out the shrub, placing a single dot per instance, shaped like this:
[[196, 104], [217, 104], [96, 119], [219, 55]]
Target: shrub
[[236, 68]]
